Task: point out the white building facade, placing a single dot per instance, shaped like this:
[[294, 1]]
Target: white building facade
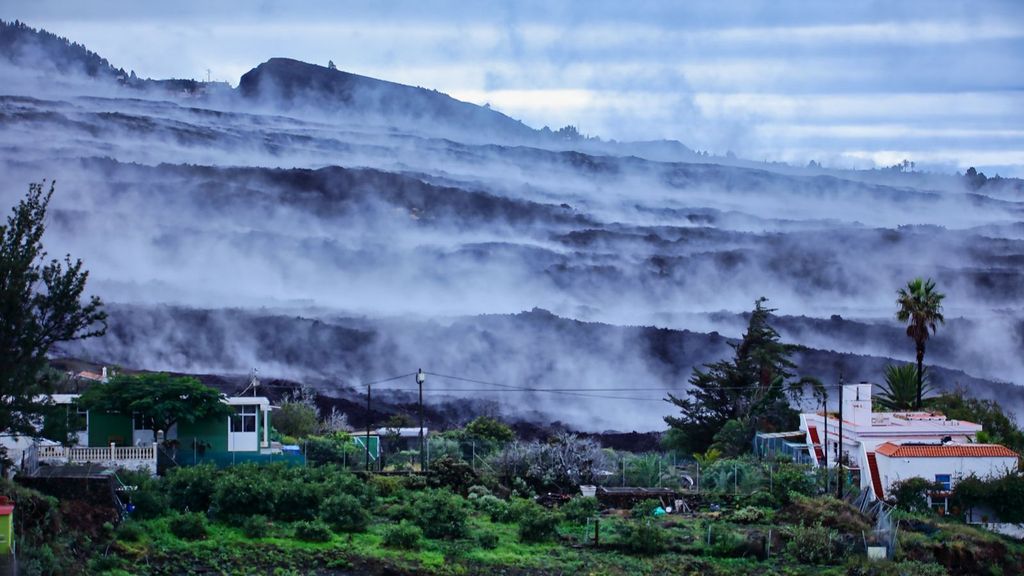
[[873, 441]]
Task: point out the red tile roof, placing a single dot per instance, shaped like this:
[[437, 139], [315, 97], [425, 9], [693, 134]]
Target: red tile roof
[[945, 451]]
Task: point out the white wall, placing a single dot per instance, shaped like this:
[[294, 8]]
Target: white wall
[[892, 470]]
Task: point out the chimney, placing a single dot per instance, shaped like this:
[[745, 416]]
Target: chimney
[[103, 378], [857, 403]]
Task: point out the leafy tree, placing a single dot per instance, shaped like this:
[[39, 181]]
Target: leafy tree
[[41, 304], [733, 439], [900, 389], [161, 399], [750, 388], [912, 494], [491, 429], [920, 306], [296, 419], [998, 426]]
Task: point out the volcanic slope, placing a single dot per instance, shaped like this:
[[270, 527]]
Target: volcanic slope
[[338, 243]]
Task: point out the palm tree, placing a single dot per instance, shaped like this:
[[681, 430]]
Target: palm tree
[[900, 389], [921, 307]]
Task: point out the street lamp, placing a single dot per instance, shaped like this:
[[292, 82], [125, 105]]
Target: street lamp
[[421, 377]]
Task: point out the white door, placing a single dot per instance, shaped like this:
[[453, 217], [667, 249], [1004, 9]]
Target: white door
[[242, 435]]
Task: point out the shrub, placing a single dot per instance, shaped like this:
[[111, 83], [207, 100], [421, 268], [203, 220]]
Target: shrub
[[737, 476], [812, 544], [296, 419], [911, 494], [580, 508], [477, 491], [295, 499], [188, 526], [403, 535], [641, 537], [312, 531], [645, 509], [487, 540], [146, 497], [336, 448], [129, 532], [495, 508], [386, 486], [489, 429], [243, 491], [749, 515], [257, 526], [537, 525], [345, 513], [726, 542], [191, 487], [456, 475], [441, 514], [789, 478]]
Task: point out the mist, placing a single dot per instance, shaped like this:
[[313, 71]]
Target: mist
[[337, 240]]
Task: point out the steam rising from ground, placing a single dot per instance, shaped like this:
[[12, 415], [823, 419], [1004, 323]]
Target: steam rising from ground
[[390, 243]]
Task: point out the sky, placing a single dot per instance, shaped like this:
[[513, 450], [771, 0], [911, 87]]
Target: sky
[[940, 83]]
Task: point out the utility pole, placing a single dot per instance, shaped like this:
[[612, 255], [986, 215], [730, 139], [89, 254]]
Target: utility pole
[[824, 431], [839, 447], [368, 395], [421, 377]]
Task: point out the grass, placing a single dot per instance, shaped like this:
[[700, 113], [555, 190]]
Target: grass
[[228, 550]]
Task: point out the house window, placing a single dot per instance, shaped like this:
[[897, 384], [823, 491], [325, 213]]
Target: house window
[[244, 419], [79, 421], [140, 422], [944, 481]]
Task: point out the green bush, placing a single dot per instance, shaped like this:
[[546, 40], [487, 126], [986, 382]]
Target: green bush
[[386, 486], [536, 524], [188, 526], [451, 473], [345, 513], [257, 526], [749, 515], [243, 491], [735, 476], [487, 540], [336, 448], [146, 494], [645, 509], [725, 541], [129, 532], [495, 508], [812, 544], [441, 514], [296, 499], [191, 487], [642, 537], [477, 491], [404, 535], [312, 531], [911, 494], [789, 478], [296, 419], [580, 508]]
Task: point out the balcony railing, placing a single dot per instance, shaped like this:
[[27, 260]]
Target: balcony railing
[[95, 454]]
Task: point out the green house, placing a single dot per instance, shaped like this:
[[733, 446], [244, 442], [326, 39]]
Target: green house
[[246, 430]]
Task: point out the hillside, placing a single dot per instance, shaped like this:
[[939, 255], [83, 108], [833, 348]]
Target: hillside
[[289, 84], [24, 46]]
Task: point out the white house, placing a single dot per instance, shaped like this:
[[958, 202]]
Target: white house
[[871, 440], [946, 463]]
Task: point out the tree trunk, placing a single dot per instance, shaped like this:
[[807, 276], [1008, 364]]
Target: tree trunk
[[920, 372]]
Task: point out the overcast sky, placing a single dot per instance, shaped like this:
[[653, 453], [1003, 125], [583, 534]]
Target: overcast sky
[[940, 83]]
